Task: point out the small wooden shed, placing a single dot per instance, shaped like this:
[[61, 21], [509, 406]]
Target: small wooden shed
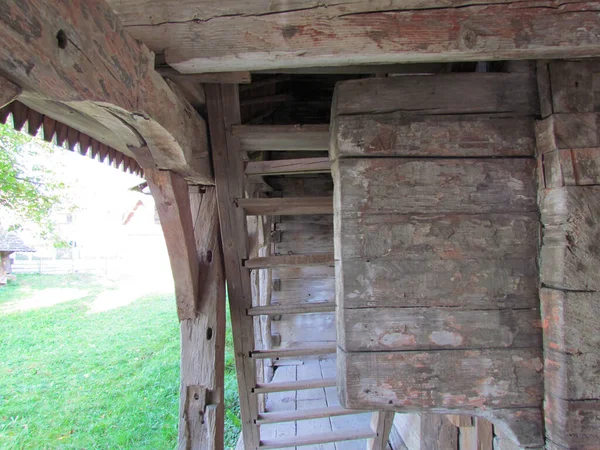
[[9, 243]]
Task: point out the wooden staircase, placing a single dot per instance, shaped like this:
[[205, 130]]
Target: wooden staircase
[[230, 142]]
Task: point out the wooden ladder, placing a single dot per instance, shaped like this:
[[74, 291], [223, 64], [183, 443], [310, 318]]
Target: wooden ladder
[[230, 140]]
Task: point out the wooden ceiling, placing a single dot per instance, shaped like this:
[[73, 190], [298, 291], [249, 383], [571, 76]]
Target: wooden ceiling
[[198, 36]]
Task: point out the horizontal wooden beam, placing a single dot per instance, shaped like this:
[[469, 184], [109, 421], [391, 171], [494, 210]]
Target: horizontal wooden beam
[[294, 352], [215, 77], [317, 438], [288, 206], [296, 385], [303, 414], [289, 166], [283, 137], [77, 55], [209, 36], [299, 308], [276, 262]]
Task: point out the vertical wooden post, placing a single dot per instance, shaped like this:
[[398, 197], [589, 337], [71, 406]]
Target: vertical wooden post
[[381, 423], [191, 228]]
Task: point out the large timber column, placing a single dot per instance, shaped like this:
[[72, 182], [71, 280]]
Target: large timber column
[[436, 242], [569, 197], [190, 223]]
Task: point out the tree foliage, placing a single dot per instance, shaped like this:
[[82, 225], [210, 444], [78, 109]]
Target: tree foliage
[[30, 191]]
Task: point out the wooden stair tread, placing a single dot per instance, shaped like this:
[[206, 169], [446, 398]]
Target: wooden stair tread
[[267, 262], [286, 206], [294, 352], [303, 414], [318, 438], [297, 308], [289, 166], [296, 385], [282, 137]]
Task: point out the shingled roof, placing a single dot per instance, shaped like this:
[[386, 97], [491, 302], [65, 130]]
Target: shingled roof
[[10, 242]]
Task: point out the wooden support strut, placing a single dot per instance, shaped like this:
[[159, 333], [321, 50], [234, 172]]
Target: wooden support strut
[[191, 229]]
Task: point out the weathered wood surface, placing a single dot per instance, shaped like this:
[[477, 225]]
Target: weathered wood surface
[[567, 131], [411, 186], [485, 434], [573, 423], [8, 91], [203, 337], [570, 252], [170, 192], [460, 420], [283, 137], [223, 111], [437, 433], [201, 78], [444, 237], [381, 423], [572, 86], [441, 380], [488, 93], [320, 259], [286, 206], [289, 166], [78, 52], [396, 134], [577, 167], [203, 36], [487, 284], [393, 329]]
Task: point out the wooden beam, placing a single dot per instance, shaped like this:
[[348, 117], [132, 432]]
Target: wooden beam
[[170, 192], [289, 166], [381, 424], [298, 308], [276, 262], [286, 206], [208, 37], [201, 78], [78, 54], [223, 111], [283, 137], [8, 92]]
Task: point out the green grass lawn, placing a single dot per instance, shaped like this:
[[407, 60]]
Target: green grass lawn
[[72, 378]]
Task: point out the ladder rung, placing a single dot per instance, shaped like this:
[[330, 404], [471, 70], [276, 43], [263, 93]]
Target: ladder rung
[[318, 438], [269, 262], [294, 352], [288, 166], [297, 385], [286, 206], [303, 414], [298, 308]]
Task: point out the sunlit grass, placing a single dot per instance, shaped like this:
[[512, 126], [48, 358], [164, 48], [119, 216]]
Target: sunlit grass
[[109, 379]]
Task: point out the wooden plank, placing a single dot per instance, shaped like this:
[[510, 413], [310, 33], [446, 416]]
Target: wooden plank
[[411, 186], [170, 192], [268, 262], [566, 131], [572, 86], [460, 420], [316, 438], [8, 91], [314, 350], [437, 433], [283, 137], [203, 337], [223, 111], [440, 236], [392, 329], [395, 134], [303, 414], [301, 308], [289, 166], [286, 206], [467, 438], [569, 253], [201, 78], [298, 385], [489, 93], [470, 284], [381, 424], [310, 34], [572, 423], [107, 67], [464, 379], [485, 434]]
